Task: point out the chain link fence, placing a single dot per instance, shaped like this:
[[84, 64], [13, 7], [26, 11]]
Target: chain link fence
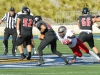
[[70, 17]]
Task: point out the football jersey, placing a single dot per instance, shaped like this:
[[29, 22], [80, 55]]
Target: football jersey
[[48, 29], [68, 34], [85, 22], [26, 23]]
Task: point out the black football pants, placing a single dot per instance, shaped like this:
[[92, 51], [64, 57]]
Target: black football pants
[[87, 37], [49, 39], [7, 33]]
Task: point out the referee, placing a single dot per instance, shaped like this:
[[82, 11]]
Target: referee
[[10, 29]]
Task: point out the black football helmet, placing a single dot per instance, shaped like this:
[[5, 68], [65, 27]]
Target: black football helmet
[[25, 10], [37, 18], [85, 10], [62, 31]]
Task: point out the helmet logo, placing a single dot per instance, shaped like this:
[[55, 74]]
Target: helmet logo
[[36, 19]]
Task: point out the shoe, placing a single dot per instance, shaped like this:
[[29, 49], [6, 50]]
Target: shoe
[[67, 62], [40, 62], [29, 57], [73, 60], [35, 53], [5, 52], [14, 53], [22, 57]]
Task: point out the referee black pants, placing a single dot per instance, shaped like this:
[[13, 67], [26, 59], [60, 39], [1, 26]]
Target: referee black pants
[[7, 33]]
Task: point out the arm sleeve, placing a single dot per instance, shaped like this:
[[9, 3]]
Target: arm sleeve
[[4, 17], [16, 18], [71, 33]]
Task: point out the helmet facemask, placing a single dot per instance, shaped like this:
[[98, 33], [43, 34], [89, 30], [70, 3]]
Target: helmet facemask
[[62, 34], [37, 19], [62, 31], [85, 10]]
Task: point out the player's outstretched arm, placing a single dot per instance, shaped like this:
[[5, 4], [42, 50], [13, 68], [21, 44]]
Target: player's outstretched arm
[[17, 27]]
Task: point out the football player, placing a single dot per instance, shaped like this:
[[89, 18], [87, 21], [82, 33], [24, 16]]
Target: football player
[[47, 36], [67, 37], [24, 32], [24, 44], [85, 23]]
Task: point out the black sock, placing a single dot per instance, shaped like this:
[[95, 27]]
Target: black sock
[[98, 54], [29, 53], [22, 53], [74, 57]]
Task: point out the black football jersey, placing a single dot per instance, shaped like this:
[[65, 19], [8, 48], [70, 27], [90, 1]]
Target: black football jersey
[[26, 23], [48, 27], [85, 22]]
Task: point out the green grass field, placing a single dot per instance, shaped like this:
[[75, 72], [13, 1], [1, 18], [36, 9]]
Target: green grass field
[[93, 69]]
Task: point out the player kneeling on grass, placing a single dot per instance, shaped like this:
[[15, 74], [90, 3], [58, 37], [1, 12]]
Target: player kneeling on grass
[[24, 32], [67, 37]]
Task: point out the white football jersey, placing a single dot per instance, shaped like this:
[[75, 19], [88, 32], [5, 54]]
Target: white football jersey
[[69, 33]]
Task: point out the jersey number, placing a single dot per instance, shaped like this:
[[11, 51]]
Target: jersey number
[[27, 22], [66, 41], [86, 21]]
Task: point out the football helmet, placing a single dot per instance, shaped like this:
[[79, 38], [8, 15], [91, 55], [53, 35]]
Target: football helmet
[[25, 10], [37, 18], [85, 10], [62, 31]]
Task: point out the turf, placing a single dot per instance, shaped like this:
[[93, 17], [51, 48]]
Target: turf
[[93, 69]]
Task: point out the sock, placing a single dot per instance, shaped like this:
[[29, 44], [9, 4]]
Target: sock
[[29, 53], [25, 51], [74, 57], [94, 55], [41, 60], [22, 54], [98, 54], [34, 50], [65, 59]]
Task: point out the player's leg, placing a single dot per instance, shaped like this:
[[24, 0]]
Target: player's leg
[[33, 47], [90, 41], [42, 45], [29, 47], [19, 43], [14, 36], [54, 51], [83, 47], [76, 52], [24, 46], [82, 36], [5, 42]]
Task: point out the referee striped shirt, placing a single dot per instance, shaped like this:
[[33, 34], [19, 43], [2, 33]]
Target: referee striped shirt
[[10, 20]]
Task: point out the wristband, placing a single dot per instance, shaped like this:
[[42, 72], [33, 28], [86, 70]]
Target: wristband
[[18, 32]]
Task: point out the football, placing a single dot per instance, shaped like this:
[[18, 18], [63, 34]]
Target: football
[[41, 36]]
